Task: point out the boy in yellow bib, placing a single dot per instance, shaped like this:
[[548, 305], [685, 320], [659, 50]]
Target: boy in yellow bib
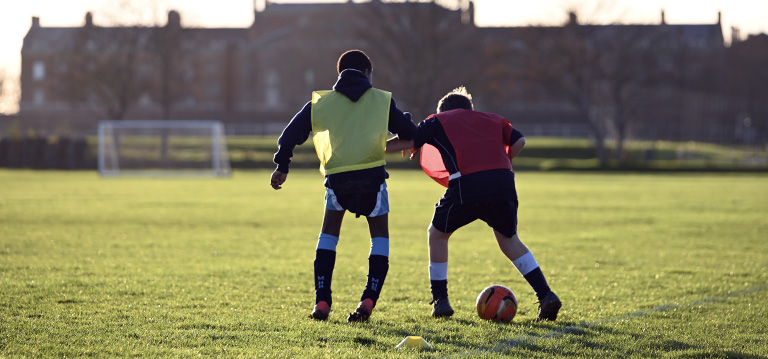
[[350, 125]]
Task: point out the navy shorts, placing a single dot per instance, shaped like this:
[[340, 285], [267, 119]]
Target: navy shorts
[[369, 204], [499, 215]]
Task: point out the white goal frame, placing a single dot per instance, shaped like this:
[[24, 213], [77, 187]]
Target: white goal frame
[[155, 138]]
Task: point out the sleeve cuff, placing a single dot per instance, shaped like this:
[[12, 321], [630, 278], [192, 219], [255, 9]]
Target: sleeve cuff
[[282, 168]]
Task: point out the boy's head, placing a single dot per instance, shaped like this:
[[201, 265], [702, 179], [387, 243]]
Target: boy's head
[[354, 59], [457, 98]]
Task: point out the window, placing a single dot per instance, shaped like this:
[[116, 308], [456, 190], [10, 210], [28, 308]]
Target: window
[[38, 97], [188, 73], [213, 90], [38, 70], [145, 100], [309, 79], [272, 88], [212, 67]]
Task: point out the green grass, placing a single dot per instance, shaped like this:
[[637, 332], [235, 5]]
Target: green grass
[[648, 265]]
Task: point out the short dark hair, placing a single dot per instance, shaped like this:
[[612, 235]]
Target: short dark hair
[[354, 59], [457, 98]]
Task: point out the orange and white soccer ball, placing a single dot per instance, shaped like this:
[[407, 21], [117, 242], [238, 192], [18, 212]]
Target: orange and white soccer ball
[[497, 303]]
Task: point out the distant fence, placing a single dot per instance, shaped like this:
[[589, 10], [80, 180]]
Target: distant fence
[[46, 153], [567, 130], [254, 129], [712, 132], [80, 152], [561, 130]]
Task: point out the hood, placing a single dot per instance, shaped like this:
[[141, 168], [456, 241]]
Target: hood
[[352, 83]]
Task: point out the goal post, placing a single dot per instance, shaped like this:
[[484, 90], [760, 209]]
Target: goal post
[[162, 148]]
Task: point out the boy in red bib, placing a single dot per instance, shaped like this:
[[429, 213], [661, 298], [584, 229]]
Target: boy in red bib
[[470, 153]]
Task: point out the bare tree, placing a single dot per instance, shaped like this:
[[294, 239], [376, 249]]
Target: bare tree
[[600, 69], [107, 71], [110, 68], [2, 90], [9, 92], [564, 61], [2, 83], [106, 68], [626, 54], [166, 47], [422, 53], [748, 79]]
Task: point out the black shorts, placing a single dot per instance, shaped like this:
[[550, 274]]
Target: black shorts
[[499, 215]]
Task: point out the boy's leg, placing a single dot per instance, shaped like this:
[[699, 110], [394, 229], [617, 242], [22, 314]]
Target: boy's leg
[[523, 259], [378, 266], [438, 271], [325, 260], [378, 257], [449, 216], [438, 262]]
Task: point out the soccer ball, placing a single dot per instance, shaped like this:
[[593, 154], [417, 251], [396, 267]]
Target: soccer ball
[[497, 303]]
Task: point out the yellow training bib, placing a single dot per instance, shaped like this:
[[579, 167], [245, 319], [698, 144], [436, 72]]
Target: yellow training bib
[[348, 135]]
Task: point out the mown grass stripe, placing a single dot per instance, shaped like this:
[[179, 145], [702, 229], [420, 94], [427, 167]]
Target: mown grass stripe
[[575, 329]]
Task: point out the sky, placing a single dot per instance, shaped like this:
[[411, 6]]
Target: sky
[[750, 16]]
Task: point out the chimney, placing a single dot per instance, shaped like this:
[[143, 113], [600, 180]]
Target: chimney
[[35, 21], [572, 18], [468, 15], [735, 35], [88, 19], [174, 19], [663, 18], [719, 17]]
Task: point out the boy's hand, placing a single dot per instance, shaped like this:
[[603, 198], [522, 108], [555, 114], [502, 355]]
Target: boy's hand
[[278, 178], [413, 153]]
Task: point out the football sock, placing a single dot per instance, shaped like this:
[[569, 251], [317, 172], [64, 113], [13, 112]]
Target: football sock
[[525, 263], [438, 271], [378, 266], [537, 281], [325, 260], [380, 246], [438, 279], [530, 270], [439, 288], [327, 241], [324, 263]]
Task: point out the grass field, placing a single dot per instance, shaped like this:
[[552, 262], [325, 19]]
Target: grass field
[[647, 265]]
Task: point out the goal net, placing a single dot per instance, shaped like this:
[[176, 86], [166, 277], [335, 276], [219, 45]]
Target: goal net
[[162, 148]]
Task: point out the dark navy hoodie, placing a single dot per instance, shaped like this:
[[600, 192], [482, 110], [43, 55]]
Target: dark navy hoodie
[[353, 84]]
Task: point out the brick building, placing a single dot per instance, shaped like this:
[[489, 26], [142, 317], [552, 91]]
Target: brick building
[[254, 79]]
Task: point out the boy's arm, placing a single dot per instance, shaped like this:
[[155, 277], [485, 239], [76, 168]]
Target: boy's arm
[[395, 144], [516, 147], [294, 134], [400, 123]]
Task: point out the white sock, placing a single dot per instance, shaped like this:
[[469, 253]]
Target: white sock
[[438, 271], [526, 263], [327, 241], [380, 246]]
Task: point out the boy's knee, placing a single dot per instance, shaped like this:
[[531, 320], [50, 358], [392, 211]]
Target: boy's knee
[[436, 234]]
